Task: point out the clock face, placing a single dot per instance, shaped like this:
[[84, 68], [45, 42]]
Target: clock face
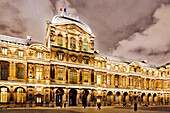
[[73, 58]]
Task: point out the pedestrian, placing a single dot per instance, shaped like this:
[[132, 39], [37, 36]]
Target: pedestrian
[[99, 105], [135, 106]]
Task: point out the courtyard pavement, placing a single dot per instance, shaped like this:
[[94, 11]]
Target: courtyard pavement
[[105, 109]]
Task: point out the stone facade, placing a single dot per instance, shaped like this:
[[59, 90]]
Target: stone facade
[[67, 71]]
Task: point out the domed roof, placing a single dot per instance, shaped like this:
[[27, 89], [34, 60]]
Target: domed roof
[[66, 19]]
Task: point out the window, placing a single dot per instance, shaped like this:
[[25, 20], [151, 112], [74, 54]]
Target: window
[[39, 55], [38, 99], [72, 43], [60, 40], [134, 82], [20, 95], [20, 53], [108, 80], [3, 94], [99, 64], [60, 56], [85, 45], [108, 67], [139, 83], [124, 82], [39, 73], [85, 76], [20, 72], [4, 71], [116, 68], [4, 51], [98, 79], [147, 84], [60, 75], [86, 61], [116, 81], [153, 84], [73, 76]]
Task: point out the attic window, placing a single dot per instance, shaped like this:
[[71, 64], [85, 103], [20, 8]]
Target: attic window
[[39, 55], [4, 51]]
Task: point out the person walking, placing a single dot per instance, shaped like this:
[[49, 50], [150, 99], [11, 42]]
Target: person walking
[[99, 105], [135, 106]]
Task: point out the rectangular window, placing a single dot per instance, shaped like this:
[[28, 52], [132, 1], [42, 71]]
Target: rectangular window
[[39, 55], [20, 53], [39, 73], [60, 75], [139, 83], [108, 80], [108, 67], [4, 51], [85, 47], [153, 84], [147, 84], [60, 56], [116, 81], [98, 79], [124, 82], [73, 77], [38, 99], [85, 76], [4, 72], [20, 73], [116, 68], [134, 82]]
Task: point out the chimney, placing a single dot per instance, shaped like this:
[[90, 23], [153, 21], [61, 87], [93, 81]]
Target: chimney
[[29, 38]]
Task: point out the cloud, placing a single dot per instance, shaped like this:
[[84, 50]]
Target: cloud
[[153, 44]]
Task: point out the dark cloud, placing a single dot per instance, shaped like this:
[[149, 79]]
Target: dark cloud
[[112, 21]]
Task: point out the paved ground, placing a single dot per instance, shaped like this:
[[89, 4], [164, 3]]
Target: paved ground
[[162, 109]]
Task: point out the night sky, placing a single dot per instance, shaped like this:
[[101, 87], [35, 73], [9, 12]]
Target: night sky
[[130, 29]]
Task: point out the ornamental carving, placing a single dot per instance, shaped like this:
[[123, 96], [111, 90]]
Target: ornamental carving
[[73, 58], [92, 44], [80, 43]]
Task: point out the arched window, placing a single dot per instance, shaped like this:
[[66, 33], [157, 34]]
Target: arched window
[[85, 44], [20, 71], [60, 40], [20, 95], [72, 43], [4, 94], [73, 76]]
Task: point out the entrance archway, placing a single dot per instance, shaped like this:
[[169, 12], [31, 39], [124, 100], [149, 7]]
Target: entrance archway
[[143, 97], [72, 97], [154, 98], [148, 98], [59, 96], [84, 97], [109, 94], [117, 97], [124, 97]]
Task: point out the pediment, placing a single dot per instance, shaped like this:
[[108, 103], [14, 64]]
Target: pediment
[[39, 47]]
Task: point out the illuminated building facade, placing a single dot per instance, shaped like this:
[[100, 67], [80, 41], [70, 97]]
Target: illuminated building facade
[[67, 70]]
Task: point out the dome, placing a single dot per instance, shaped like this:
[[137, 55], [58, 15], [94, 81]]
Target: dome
[[66, 19]]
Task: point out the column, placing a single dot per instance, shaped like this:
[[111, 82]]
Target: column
[[89, 98]]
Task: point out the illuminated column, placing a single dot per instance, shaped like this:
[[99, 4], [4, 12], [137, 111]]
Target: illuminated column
[[113, 80], [10, 71], [127, 82], [78, 96], [89, 98], [64, 97], [120, 81]]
